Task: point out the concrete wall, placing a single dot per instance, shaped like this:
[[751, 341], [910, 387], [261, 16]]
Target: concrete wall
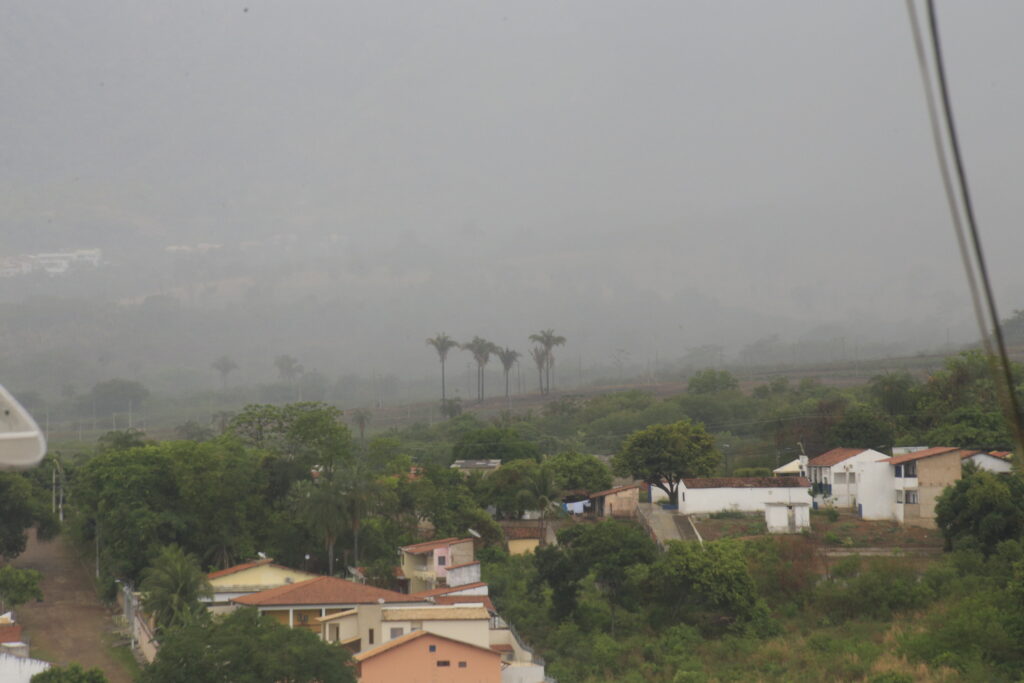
[[460, 576], [413, 661], [702, 501], [934, 474], [622, 504], [522, 672], [520, 546], [785, 519], [472, 631], [990, 463], [876, 498]]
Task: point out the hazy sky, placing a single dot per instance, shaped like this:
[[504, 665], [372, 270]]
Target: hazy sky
[[744, 168]]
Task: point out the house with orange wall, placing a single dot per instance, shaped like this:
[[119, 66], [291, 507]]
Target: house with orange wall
[[425, 656]]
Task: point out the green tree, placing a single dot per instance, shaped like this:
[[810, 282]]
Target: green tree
[[442, 343], [548, 340], [862, 426], [664, 454], [72, 673], [116, 396], [18, 586], [321, 506], [288, 368], [172, 587], [895, 393], [982, 510], [574, 471], [494, 442], [712, 381], [245, 647], [17, 513], [224, 367]]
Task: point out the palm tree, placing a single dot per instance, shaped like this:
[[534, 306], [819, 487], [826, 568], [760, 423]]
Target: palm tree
[[321, 506], [549, 340], [508, 359], [361, 416], [442, 343], [288, 368], [481, 350], [540, 358], [225, 366], [172, 587]]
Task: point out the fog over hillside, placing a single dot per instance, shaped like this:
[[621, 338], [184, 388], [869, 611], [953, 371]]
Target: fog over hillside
[[648, 177]]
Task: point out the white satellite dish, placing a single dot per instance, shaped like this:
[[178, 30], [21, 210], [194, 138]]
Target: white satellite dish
[[22, 444]]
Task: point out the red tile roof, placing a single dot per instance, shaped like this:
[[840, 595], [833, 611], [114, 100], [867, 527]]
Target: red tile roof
[[446, 589], [617, 489], [323, 590], [834, 457], [1005, 455], [10, 633], [428, 546], [917, 455], [239, 568], [748, 483]]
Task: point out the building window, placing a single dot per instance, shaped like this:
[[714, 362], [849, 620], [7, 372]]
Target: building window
[[416, 626], [912, 497], [462, 665], [910, 470], [899, 471], [441, 559], [899, 496], [443, 662], [370, 637], [852, 476], [397, 632], [432, 648]]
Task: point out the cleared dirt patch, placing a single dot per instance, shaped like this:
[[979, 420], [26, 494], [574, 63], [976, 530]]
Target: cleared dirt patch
[[70, 624]]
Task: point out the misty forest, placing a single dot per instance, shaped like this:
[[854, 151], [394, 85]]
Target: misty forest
[[319, 290]]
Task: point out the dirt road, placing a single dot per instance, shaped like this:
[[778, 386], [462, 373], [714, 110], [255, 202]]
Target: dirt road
[[70, 624]]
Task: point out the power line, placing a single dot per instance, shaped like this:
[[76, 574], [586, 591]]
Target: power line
[[1008, 394]]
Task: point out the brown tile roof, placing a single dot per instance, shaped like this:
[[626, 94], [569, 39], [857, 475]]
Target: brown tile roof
[[446, 589], [1005, 455], [747, 483], [239, 568], [503, 647], [966, 454], [427, 546], [834, 457], [324, 590], [446, 613], [10, 633], [617, 489], [917, 455], [460, 599], [408, 637]]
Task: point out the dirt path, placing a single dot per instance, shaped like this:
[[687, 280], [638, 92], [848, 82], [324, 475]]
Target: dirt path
[[69, 625]]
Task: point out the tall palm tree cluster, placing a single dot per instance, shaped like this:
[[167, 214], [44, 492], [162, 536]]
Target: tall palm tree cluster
[[482, 350]]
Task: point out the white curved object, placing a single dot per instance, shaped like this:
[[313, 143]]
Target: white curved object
[[22, 444]]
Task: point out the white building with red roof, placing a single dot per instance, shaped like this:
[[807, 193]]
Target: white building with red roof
[[426, 565], [835, 475], [249, 577], [905, 488]]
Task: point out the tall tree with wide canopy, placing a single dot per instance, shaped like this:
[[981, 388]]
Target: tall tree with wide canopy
[[481, 350], [664, 454], [442, 343], [548, 341], [508, 358]]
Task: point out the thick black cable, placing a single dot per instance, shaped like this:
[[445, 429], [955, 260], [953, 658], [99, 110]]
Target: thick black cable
[[1013, 408]]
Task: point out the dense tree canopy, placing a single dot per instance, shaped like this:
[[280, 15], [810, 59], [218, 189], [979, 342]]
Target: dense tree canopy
[[663, 454], [244, 647]]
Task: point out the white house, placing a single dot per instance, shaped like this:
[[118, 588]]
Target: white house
[[785, 501], [993, 461], [905, 488], [835, 475]]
